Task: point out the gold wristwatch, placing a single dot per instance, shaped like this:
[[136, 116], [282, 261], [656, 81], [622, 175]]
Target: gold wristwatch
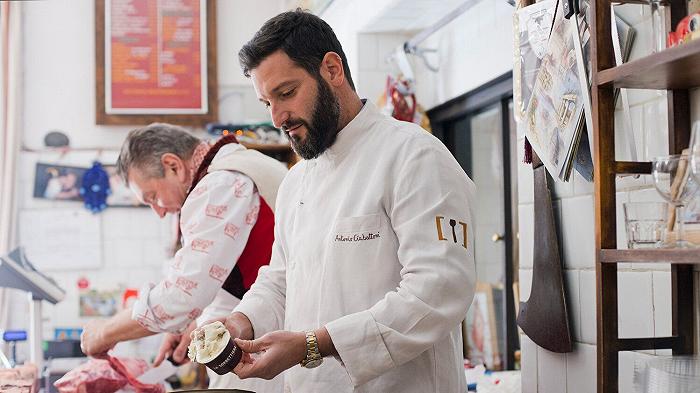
[[313, 355]]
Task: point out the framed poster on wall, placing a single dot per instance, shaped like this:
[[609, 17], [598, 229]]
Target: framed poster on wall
[[155, 62]]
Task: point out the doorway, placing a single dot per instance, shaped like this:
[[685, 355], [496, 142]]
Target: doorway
[[479, 129]]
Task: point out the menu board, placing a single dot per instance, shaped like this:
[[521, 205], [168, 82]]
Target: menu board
[[156, 56]]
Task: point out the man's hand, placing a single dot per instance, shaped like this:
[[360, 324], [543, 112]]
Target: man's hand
[[278, 351], [93, 341], [239, 326], [175, 345], [99, 336]]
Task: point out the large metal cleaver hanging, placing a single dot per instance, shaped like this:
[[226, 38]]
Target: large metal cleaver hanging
[[543, 317]]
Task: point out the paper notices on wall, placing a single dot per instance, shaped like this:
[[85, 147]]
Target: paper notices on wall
[[61, 239]]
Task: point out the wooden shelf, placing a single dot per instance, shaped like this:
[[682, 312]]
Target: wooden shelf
[[632, 168], [640, 2], [674, 256], [673, 68], [281, 151], [634, 344], [268, 147]]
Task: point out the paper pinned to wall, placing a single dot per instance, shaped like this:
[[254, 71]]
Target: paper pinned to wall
[[61, 239]]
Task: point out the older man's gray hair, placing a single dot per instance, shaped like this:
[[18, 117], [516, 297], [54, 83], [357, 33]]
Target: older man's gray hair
[[144, 147]]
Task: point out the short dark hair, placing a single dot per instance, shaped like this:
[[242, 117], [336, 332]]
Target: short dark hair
[[303, 36]]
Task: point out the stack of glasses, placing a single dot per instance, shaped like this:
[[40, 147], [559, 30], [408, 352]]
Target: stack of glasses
[[667, 374]]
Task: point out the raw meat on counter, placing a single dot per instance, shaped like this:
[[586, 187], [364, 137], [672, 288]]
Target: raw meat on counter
[[107, 376], [21, 379]]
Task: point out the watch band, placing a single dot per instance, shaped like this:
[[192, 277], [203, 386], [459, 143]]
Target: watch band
[[313, 355]]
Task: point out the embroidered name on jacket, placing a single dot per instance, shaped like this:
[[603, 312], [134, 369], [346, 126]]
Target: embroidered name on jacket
[[359, 237]]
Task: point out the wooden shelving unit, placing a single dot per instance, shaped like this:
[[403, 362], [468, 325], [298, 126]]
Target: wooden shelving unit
[[268, 147], [675, 70], [281, 151]]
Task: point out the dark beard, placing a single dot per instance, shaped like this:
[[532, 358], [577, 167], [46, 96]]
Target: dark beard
[[322, 131]]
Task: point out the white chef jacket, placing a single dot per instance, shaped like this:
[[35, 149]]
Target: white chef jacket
[[373, 240]]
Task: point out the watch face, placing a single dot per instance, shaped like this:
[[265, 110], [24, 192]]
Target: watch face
[[313, 363]]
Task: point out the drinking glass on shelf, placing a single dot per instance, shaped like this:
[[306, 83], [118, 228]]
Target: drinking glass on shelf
[[645, 223], [659, 29], [694, 152], [674, 183]]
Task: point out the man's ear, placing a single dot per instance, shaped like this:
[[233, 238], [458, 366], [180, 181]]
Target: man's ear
[[171, 162], [332, 69]]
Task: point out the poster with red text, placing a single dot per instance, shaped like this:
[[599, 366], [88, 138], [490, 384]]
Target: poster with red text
[[155, 57]]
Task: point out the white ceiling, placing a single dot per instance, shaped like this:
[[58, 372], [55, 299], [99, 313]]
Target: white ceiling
[[411, 15]]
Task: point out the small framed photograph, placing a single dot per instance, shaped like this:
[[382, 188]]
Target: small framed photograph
[[58, 182]]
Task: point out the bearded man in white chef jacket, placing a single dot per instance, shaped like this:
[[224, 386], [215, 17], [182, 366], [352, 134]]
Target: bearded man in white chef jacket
[[372, 267]]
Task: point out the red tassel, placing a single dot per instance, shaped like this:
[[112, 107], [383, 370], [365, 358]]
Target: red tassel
[[528, 152]]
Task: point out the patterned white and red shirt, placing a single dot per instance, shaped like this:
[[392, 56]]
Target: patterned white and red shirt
[[216, 220]]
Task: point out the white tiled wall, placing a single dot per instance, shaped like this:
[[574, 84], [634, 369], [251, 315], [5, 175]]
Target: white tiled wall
[[526, 234], [474, 48], [635, 308], [551, 371], [643, 289], [578, 232], [587, 297], [529, 364], [581, 369], [374, 62], [573, 301], [661, 282]]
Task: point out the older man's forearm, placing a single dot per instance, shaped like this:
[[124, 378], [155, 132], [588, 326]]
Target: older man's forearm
[[122, 327]]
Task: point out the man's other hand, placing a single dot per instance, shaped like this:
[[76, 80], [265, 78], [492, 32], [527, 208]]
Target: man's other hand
[[175, 345], [276, 352], [93, 341]]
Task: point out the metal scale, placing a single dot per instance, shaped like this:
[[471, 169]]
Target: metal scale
[[17, 272]]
